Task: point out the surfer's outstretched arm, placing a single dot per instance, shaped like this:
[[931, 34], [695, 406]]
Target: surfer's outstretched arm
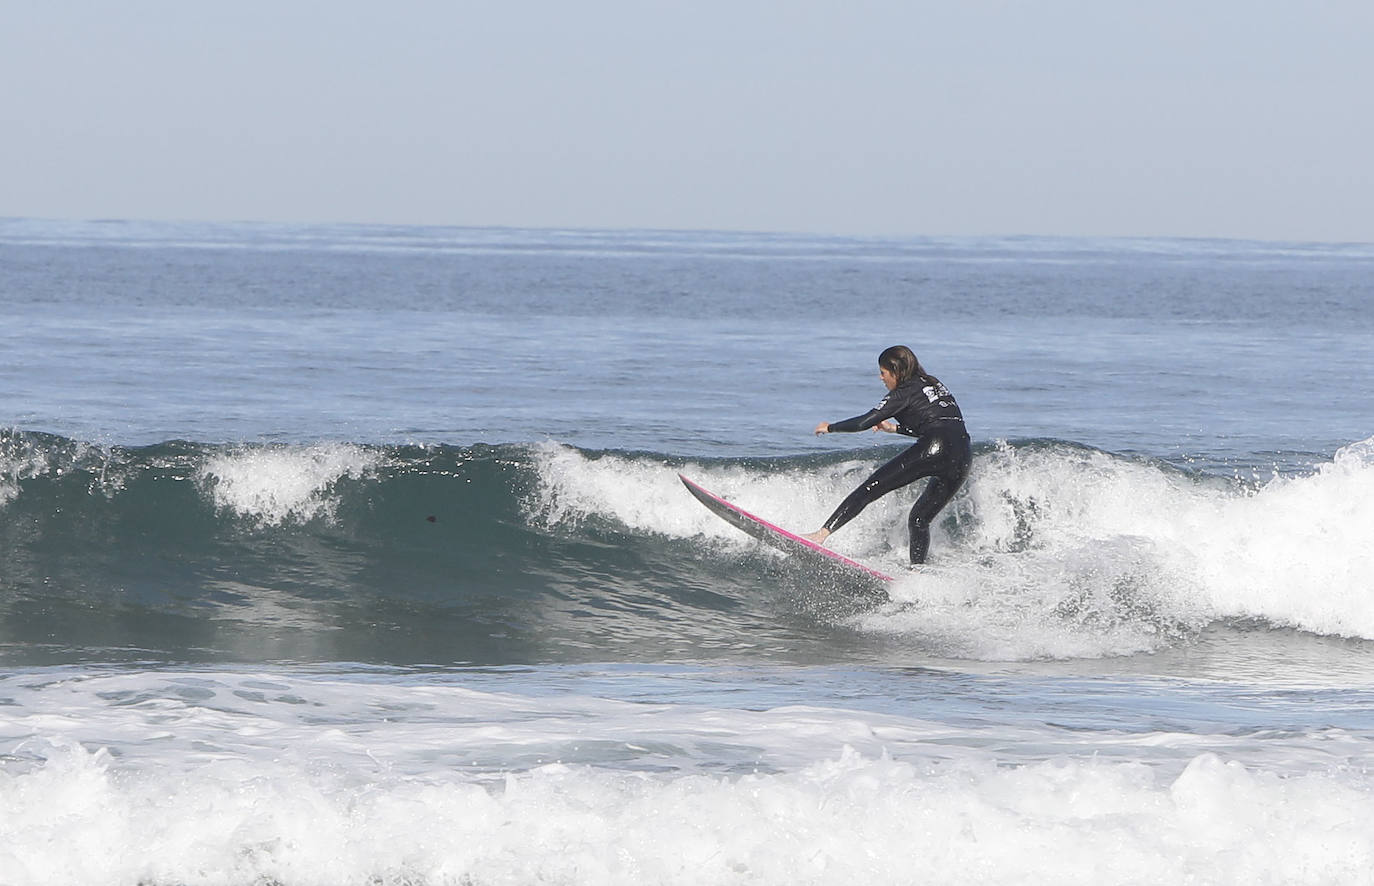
[[887, 426]]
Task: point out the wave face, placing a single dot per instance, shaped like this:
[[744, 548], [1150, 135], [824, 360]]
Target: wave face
[[548, 553]]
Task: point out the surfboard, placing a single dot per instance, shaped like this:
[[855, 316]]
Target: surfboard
[[775, 536]]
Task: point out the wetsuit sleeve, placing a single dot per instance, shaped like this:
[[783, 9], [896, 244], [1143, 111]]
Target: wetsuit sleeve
[[883, 411]]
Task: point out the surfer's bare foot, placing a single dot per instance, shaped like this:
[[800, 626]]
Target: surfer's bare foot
[[819, 536]]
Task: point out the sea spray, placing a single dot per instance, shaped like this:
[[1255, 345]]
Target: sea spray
[[274, 485]]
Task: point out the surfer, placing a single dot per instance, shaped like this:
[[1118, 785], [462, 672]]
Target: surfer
[[919, 406]]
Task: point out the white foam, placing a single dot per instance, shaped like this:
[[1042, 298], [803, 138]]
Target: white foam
[[235, 778], [1294, 552], [279, 484], [1299, 551]]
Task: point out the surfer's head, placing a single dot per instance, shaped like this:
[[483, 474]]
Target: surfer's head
[[901, 363]]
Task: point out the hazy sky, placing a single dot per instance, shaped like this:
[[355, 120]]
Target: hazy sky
[[1230, 118]]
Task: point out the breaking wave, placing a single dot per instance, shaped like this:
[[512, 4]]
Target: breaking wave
[[504, 554]]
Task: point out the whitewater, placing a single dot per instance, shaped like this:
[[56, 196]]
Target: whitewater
[[347, 554]]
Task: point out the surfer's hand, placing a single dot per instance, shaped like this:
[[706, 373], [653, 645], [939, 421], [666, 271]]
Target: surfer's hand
[[889, 427], [823, 428]]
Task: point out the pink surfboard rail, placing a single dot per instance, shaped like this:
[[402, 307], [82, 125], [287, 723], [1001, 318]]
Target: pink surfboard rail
[[770, 533]]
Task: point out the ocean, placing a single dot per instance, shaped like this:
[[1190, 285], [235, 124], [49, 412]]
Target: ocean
[[346, 554]]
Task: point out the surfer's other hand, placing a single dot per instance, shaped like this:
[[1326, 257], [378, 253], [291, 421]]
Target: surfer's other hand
[[823, 428]]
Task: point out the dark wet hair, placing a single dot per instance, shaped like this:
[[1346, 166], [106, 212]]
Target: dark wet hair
[[901, 362]]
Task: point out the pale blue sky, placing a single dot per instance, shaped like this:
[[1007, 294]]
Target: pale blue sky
[[1234, 118]]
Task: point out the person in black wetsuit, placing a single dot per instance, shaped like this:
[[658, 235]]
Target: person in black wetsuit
[[922, 408]]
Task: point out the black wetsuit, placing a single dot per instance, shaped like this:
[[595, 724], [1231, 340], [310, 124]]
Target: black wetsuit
[[924, 409]]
